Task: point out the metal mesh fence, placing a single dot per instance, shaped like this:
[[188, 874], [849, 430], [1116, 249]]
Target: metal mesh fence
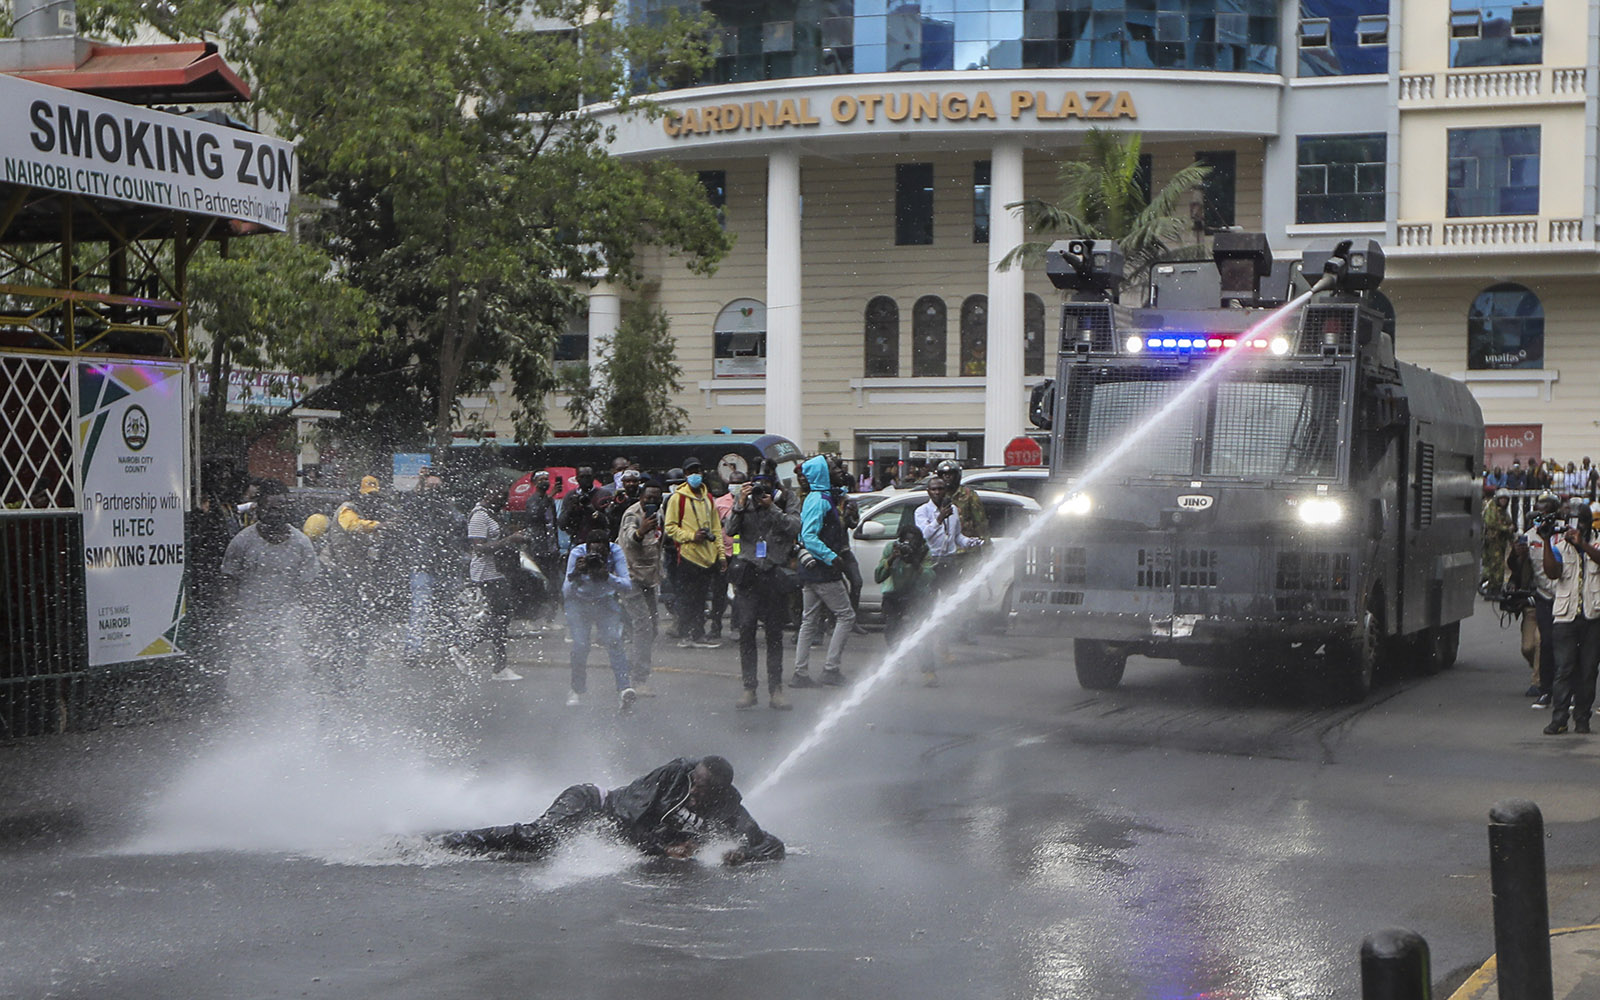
[[41, 620], [36, 434]]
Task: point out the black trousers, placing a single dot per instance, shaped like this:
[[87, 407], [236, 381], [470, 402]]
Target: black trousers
[[1544, 612], [1577, 653], [719, 596], [693, 582], [761, 601], [900, 615], [577, 806], [497, 596]]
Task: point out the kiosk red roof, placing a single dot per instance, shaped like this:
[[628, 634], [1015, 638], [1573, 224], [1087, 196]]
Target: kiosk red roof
[[150, 74]]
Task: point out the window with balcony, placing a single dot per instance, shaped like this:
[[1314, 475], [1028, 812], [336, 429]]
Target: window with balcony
[[882, 338], [913, 204], [928, 337], [1340, 178], [1505, 329], [1495, 33], [739, 340], [1344, 37], [1493, 171]]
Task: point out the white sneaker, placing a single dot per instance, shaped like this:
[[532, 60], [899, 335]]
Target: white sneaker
[[574, 698], [506, 675], [625, 699]]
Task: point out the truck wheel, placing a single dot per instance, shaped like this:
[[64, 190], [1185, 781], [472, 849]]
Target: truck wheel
[[1447, 643], [1099, 665], [1351, 662]]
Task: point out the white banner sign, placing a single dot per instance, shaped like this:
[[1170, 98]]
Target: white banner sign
[[130, 435], [62, 140]]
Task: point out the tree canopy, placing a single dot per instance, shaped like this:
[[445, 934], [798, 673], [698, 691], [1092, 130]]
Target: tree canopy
[[465, 190], [1102, 196], [631, 391]]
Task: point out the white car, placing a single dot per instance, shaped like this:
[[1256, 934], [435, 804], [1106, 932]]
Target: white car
[[1028, 481], [881, 522]]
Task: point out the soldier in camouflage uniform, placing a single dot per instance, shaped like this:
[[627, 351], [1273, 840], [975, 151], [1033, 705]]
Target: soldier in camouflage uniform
[[1497, 534]]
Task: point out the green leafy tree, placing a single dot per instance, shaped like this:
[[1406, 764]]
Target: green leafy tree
[[472, 198], [1101, 196], [632, 389], [270, 303]]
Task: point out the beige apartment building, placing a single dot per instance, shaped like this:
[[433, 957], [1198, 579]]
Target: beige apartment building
[[862, 153]]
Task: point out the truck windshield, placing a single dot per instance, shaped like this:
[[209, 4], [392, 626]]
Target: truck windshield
[[1255, 423]]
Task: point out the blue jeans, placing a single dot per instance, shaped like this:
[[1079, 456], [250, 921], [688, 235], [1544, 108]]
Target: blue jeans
[[606, 619], [429, 594]]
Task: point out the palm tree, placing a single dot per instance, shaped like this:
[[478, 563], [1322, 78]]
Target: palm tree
[[1101, 198]]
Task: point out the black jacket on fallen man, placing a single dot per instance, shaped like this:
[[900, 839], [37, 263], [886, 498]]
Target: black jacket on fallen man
[[652, 813]]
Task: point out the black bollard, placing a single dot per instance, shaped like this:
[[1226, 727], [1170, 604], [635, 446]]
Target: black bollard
[[1521, 906], [1394, 966]]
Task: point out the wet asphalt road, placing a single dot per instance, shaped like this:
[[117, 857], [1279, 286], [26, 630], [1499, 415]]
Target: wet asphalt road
[[1003, 835]]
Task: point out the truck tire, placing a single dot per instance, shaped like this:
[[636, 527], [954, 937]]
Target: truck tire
[[1447, 643], [1099, 664], [1351, 662]]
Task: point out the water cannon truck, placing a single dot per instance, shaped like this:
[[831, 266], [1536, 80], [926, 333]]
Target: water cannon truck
[[1311, 509]]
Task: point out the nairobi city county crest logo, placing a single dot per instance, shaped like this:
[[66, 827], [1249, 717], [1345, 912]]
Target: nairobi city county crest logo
[[135, 428]]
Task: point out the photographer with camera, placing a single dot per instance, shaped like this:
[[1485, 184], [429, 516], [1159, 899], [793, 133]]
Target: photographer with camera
[[597, 576], [906, 573], [1545, 523], [640, 538], [1572, 563], [760, 592], [541, 525], [578, 505]]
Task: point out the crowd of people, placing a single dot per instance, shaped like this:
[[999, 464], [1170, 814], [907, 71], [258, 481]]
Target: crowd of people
[[1572, 479], [619, 561]]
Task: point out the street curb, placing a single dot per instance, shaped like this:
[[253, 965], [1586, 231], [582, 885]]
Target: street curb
[[1484, 983]]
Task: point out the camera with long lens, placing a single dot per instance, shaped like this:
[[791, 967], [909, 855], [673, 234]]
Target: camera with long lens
[[1515, 601], [1548, 524], [904, 550]]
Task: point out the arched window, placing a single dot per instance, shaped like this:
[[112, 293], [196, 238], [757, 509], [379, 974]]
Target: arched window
[[975, 335], [928, 337], [1505, 329], [883, 338], [1032, 335], [740, 340]]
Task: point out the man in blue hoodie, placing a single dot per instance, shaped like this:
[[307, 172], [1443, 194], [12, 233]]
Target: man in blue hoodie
[[822, 541]]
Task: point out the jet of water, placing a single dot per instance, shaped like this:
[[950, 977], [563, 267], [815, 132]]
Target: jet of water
[[1003, 552]]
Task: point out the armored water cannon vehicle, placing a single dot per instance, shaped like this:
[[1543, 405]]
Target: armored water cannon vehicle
[[1246, 473]]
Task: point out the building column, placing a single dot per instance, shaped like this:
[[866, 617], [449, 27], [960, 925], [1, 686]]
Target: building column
[[783, 296], [605, 315], [1004, 405]]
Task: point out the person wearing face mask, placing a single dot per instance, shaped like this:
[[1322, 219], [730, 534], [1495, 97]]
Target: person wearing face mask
[[692, 524], [670, 812], [268, 568]]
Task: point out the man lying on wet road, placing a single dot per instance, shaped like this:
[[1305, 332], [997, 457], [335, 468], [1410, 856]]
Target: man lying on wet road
[[669, 812]]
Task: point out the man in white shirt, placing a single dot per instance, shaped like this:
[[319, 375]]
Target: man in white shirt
[[941, 524], [1572, 563], [1545, 507], [485, 537]]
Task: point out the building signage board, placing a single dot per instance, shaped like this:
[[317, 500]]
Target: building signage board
[[1507, 443], [61, 140], [246, 389], [131, 438]]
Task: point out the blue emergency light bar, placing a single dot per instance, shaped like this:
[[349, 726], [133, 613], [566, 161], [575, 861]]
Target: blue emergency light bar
[[1199, 343]]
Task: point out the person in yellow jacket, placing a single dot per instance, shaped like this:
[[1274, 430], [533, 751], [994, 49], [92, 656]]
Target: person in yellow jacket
[[693, 525]]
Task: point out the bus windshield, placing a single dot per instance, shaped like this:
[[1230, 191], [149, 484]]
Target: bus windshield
[[1258, 423]]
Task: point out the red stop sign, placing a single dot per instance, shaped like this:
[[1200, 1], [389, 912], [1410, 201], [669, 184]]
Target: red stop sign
[[1024, 451]]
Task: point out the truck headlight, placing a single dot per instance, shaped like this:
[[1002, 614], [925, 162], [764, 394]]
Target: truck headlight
[[1076, 505], [1320, 511]]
